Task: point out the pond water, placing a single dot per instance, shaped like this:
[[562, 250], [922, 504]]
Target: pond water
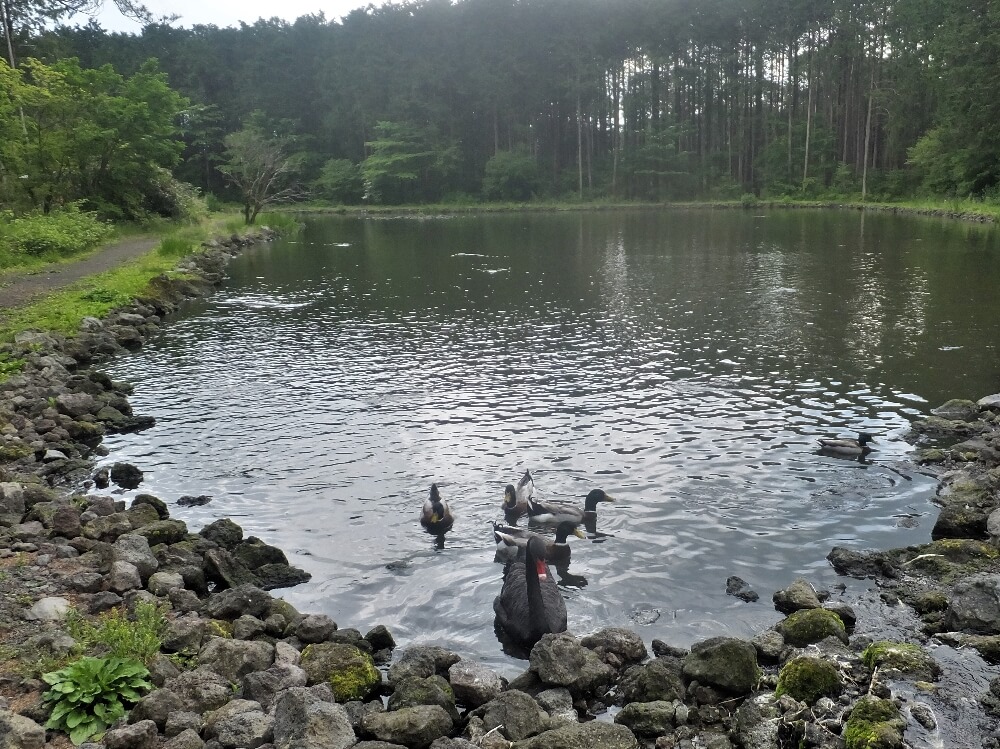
[[684, 361]]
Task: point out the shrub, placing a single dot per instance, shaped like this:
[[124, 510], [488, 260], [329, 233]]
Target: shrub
[[340, 181], [90, 694], [136, 638], [511, 175], [58, 234], [280, 222]]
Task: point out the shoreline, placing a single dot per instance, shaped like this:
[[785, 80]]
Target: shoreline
[[56, 540]]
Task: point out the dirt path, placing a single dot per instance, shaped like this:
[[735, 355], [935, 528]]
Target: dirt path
[[20, 289]]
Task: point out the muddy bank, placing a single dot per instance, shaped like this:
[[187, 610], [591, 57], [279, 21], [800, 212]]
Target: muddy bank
[[239, 667]]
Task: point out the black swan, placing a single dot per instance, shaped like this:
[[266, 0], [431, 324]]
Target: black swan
[[529, 604]]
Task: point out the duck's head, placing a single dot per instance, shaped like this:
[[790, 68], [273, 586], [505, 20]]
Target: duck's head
[[864, 438], [567, 528], [437, 506], [509, 497], [595, 496]]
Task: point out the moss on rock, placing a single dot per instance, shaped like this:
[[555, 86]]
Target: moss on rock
[[874, 724], [807, 679], [812, 625], [350, 671], [902, 657]]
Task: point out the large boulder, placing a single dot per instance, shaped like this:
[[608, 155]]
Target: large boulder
[[200, 690], [20, 732], [350, 671], [240, 724], [309, 719], [975, 605], [134, 549], [647, 718], [559, 660], [660, 679], [617, 646], [808, 626], [473, 683], [434, 690], [234, 659], [799, 595], [414, 727], [514, 714], [593, 735], [265, 686], [727, 663], [421, 661], [235, 602]]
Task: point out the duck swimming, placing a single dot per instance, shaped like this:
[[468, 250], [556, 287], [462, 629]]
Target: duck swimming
[[515, 499], [553, 513], [846, 445], [436, 515], [512, 541], [530, 604]]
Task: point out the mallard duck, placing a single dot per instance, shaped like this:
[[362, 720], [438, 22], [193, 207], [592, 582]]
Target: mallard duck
[[435, 515], [846, 445], [515, 499], [530, 604], [512, 541], [553, 513]]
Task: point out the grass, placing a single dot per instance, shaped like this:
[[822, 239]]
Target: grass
[[117, 635]]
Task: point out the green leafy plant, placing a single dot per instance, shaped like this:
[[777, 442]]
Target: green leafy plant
[[116, 634], [90, 694]]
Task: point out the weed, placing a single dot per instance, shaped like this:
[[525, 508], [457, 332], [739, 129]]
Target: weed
[[119, 636]]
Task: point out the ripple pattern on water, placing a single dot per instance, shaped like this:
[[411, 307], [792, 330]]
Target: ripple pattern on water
[[685, 367]]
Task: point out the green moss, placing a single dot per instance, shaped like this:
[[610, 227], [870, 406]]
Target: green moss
[[899, 656], [930, 601], [14, 451], [220, 628], [807, 679], [874, 724], [812, 625]]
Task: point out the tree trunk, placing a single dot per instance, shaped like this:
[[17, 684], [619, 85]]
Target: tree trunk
[[868, 133], [579, 142], [809, 111]]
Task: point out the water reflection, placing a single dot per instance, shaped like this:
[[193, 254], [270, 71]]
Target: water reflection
[[688, 360]]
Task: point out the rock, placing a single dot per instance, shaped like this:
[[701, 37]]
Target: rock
[[473, 683], [48, 609], [223, 568], [862, 564], [874, 724], [381, 639], [107, 527], [20, 732], [357, 710], [559, 660], [900, 658], [957, 409], [350, 671], [188, 501], [660, 679], [593, 735], [66, 521], [141, 735], [157, 707], [844, 611], [443, 743], [989, 403], [134, 549], [924, 715], [514, 713], [185, 635], [234, 659], [161, 583], [807, 626], [124, 577], [315, 628], [770, 645], [756, 722], [558, 703], [235, 602], [727, 663], [200, 690], [414, 727], [737, 586], [647, 718], [239, 724], [163, 531], [126, 475], [434, 690], [264, 686], [224, 532], [975, 605], [186, 739], [624, 644], [797, 596], [304, 720], [421, 661], [807, 678], [162, 512], [958, 520]]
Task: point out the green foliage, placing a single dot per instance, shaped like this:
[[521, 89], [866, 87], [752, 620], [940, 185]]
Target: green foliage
[[59, 234], [74, 134], [873, 724], [120, 636], [90, 694], [511, 175], [258, 164], [175, 247], [282, 223], [340, 181], [407, 164], [9, 365]]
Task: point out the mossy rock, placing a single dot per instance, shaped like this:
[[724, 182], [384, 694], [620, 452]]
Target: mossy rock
[[988, 646], [350, 671], [874, 724], [901, 657], [929, 602], [14, 451], [163, 531], [220, 628], [807, 679], [812, 625]]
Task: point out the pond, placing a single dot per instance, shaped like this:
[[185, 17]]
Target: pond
[[686, 361]]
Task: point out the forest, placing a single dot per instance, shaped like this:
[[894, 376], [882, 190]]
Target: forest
[[509, 100]]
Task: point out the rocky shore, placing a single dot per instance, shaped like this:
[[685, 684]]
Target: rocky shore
[[240, 668]]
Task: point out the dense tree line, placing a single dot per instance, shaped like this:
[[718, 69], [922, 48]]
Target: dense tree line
[[635, 99]]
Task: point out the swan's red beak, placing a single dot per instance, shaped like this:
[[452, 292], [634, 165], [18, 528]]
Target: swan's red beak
[[543, 571]]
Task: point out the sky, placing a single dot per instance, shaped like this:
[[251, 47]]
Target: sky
[[225, 12]]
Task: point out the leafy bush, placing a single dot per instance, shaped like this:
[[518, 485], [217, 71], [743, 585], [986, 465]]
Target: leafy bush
[[511, 175], [90, 694], [341, 182], [58, 234], [136, 638]]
